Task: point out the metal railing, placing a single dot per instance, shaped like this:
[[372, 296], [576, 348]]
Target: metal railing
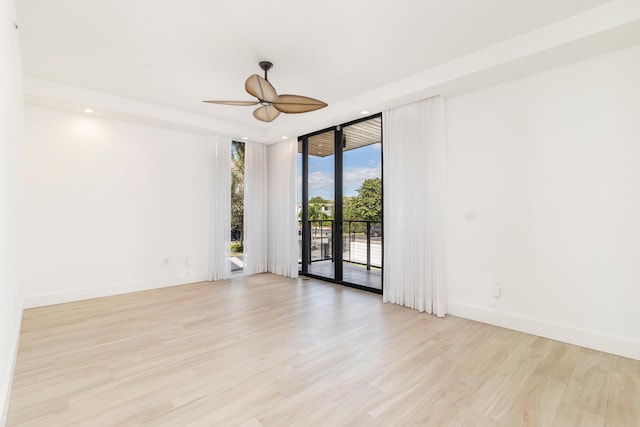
[[361, 241]]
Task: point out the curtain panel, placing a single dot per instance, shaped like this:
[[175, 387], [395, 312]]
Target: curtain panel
[[255, 208], [414, 206], [220, 229], [282, 237]]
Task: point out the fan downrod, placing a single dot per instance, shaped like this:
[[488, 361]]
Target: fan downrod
[[266, 66]]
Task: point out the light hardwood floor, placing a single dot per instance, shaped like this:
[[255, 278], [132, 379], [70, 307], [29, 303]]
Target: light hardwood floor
[[270, 351]]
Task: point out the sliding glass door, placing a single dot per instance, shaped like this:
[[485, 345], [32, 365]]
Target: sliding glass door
[[340, 227], [362, 203]]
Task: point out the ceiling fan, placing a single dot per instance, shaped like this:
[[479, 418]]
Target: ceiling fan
[[272, 104]]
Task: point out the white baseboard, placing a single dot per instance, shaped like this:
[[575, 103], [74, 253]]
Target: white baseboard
[[582, 337], [71, 295], [5, 391]]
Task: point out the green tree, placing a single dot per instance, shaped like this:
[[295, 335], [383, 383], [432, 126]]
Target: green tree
[[349, 215], [237, 190], [347, 209], [315, 212], [367, 205], [319, 200]]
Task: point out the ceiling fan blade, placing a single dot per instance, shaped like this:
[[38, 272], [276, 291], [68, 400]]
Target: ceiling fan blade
[[240, 103], [266, 113], [260, 88], [293, 104]]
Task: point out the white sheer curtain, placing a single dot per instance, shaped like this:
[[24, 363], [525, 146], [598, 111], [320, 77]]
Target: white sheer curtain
[[220, 263], [255, 208], [282, 238], [414, 221]]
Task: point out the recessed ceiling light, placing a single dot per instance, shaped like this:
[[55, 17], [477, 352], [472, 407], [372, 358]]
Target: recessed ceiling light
[[88, 110], [284, 137], [245, 137], [363, 112]]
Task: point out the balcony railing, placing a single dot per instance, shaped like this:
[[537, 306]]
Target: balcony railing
[[361, 242]]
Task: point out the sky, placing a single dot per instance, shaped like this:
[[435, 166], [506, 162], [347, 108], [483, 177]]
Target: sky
[[359, 164]]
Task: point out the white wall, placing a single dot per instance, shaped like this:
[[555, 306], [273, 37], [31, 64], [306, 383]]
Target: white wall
[[105, 202], [10, 132], [549, 166]]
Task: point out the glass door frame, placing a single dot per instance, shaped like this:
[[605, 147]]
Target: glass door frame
[[337, 223]]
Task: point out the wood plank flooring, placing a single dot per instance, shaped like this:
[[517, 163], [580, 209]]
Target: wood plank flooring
[[269, 351]]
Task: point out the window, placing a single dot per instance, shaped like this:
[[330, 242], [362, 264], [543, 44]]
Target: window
[[237, 206]]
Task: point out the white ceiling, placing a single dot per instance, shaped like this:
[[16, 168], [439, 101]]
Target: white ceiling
[[175, 53]]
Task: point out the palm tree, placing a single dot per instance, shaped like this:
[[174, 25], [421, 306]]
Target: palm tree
[[316, 214], [237, 190]]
